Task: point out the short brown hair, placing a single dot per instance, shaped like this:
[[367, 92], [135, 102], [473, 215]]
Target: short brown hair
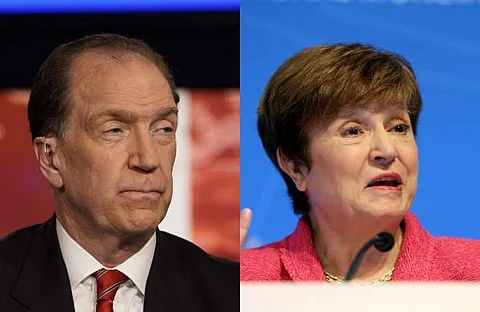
[[48, 108], [316, 85]]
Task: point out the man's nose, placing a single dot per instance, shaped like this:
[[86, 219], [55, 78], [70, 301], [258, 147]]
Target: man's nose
[[144, 155]]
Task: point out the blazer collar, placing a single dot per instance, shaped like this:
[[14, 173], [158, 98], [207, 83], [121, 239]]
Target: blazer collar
[[301, 262], [414, 263], [43, 281], [299, 256], [171, 281]]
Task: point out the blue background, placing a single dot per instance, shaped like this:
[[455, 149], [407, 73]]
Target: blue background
[[443, 44], [65, 6]]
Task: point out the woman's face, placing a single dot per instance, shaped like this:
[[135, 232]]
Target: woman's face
[[363, 164]]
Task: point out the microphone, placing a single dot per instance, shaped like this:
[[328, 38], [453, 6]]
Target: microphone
[[384, 242]]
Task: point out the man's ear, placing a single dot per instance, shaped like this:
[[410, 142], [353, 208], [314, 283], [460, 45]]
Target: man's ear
[[46, 154], [295, 172]]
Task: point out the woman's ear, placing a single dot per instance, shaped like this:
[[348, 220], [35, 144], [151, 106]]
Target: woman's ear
[[295, 172], [46, 154]]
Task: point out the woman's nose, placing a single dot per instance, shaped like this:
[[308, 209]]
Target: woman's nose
[[383, 150]]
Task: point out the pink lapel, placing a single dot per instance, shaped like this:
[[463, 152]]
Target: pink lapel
[[416, 254], [299, 256], [300, 259]]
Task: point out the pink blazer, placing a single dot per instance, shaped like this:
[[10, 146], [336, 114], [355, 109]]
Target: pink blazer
[[422, 258]]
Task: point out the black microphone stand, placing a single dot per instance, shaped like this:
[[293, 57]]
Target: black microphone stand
[[383, 242]]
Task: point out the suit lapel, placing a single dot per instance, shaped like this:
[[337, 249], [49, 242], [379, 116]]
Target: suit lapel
[[43, 282], [170, 286]]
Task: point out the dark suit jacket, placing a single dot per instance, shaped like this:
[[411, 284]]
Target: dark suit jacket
[[33, 275]]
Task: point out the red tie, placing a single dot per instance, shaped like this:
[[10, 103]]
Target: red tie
[[108, 282]]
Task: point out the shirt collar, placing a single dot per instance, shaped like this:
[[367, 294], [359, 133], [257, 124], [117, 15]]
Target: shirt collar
[[138, 266], [80, 264]]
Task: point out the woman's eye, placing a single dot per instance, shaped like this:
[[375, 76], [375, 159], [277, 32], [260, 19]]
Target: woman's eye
[[401, 128], [352, 132]]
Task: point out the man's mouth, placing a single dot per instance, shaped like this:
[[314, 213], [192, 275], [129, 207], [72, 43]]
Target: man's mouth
[[142, 194]]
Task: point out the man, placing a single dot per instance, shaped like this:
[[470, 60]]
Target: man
[[103, 115]]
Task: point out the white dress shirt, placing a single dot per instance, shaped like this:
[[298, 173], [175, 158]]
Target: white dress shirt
[[80, 264]]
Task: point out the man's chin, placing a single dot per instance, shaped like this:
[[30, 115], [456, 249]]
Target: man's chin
[[138, 220], [132, 232], [142, 226]]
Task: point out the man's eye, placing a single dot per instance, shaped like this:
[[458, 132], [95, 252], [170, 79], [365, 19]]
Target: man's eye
[[114, 131], [352, 132], [401, 128], [167, 129], [164, 130]]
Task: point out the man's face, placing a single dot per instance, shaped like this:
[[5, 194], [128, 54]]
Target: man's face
[[117, 156]]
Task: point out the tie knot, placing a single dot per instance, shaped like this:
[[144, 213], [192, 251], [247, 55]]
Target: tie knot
[[108, 282]]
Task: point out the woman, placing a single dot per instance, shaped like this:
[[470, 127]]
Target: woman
[[338, 122]]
